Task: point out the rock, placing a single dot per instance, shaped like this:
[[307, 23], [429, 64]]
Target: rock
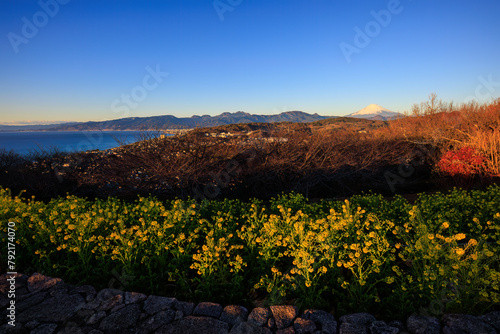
[[38, 282], [95, 331], [259, 316], [284, 315], [208, 309], [54, 309], [288, 330], [32, 324], [88, 292], [323, 320], [303, 326], [358, 318], [380, 327], [155, 304], [108, 299], [4, 301], [234, 314], [4, 329], [44, 329], [352, 328], [125, 318], [356, 323], [492, 319], [185, 307], [463, 323], [195, 325], [397, 324], [249, 328], [20, 282], [271, 323], [157, 320], [134, 297], [96, 317], [31, 301], [418, 324], [72, 328]]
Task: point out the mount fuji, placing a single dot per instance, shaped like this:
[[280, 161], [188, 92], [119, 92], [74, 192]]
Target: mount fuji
[[375, 112]]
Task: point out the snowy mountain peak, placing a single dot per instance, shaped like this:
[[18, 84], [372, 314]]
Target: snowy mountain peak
[[371, 109], [374, 111]]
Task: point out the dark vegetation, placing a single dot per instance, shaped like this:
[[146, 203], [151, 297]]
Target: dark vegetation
[[334, 157]]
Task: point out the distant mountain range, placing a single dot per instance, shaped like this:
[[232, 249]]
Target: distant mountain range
[[376, 113], [172, 122], [372, 112]]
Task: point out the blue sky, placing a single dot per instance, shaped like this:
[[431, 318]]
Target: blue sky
[[102, 59]]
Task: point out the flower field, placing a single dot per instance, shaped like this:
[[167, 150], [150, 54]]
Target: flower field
[[368, 253]]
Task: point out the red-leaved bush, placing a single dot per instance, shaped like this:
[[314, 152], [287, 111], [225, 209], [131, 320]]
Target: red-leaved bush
[[465, 162]]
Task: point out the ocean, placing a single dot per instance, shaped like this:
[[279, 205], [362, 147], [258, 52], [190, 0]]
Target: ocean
[[68, 141]]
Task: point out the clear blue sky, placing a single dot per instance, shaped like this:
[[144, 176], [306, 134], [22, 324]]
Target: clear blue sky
[[260, 56]]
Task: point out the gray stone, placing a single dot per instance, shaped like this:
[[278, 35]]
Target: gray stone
[[38, 282], [178, 315], [249, 328], [185, 307], [31, 301], [303, 326], [352, 328], [155, 304], [284, 315], [44, 329], [125, 318], [492, 319], [356, 323], [134, 297], [108, 301], [323, 320], [195, 325], [72, 328], [96, 317], [463, 323], [397, 324], [358, 318], [95, 331], [157, 320], [54, 309], [234, 314], [418, 324], [32, 324], [208, 309], [88, 292], [101, 298], [380, 327], [4, 329], [259, 316], [4, 301]]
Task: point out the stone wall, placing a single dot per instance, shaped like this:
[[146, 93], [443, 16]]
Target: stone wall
[[46, 305]]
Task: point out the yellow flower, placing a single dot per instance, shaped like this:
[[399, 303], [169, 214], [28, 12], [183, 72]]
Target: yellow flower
[[445, 225], [460, 236], [430, 236], [460, 251]]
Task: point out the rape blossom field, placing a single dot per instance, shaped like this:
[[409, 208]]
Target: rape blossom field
[[368, 253]]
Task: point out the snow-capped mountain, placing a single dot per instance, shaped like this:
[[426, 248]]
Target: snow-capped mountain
[[375, 112]]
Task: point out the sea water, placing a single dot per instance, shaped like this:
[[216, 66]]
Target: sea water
[[26, 142]]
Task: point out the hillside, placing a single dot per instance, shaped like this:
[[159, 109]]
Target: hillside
[[172, 122]]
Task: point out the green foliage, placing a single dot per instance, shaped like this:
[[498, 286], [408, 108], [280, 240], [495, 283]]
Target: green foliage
[[367, 253]]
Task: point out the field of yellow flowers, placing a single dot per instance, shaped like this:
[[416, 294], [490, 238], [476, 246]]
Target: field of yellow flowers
[[368, 253]]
